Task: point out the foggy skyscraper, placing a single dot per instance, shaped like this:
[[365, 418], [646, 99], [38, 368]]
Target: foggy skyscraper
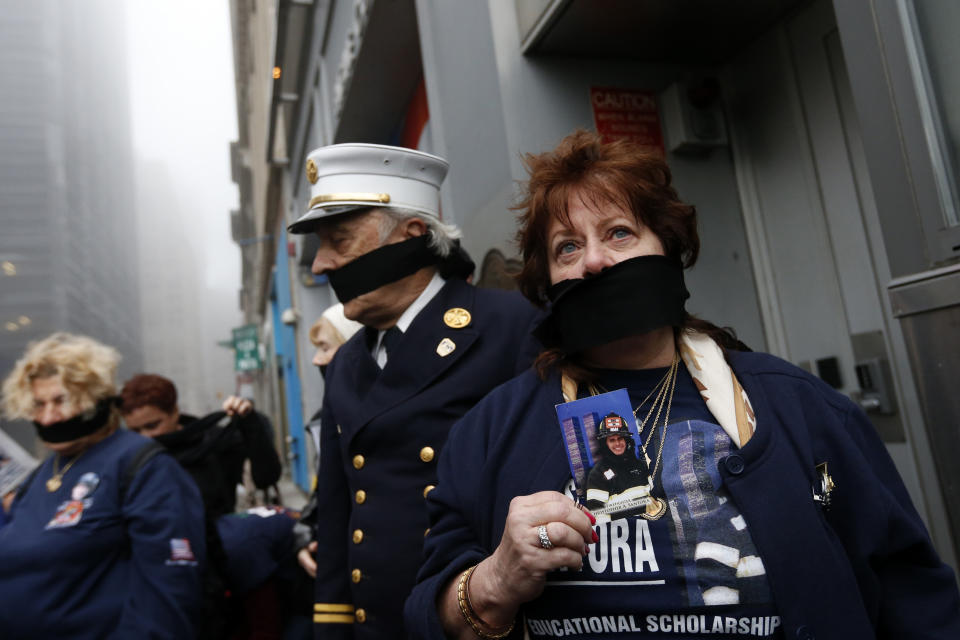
[[67, 229]]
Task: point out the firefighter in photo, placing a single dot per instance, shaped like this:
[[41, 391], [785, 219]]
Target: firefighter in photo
[[619, 483], [431, 348]]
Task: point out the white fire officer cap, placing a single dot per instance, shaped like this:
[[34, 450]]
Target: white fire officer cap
[[345, 177]]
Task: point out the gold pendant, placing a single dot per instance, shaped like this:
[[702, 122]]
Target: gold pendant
[[53, 484], [655, 509]]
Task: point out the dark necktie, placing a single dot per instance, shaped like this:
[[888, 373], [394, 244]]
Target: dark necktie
[[391, 339]]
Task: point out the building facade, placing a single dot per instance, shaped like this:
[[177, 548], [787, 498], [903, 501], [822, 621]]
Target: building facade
[[67, 249], [817, 139]]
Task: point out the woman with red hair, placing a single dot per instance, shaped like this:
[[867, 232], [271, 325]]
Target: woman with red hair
[[778, 513]]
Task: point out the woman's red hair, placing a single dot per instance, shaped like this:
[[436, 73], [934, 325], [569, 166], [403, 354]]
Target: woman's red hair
[[148, 390], [618, 173]]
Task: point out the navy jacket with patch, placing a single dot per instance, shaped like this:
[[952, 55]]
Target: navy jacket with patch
[[381, 434], [864, 569], [126, 566]]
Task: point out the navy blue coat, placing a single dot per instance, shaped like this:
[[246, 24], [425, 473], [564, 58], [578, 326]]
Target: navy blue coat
[[380, 437], [257, 542], [863, 569], [105, 566]]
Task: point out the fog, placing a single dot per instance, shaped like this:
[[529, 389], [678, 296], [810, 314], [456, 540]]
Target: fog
[[116, 118], [183, 117]]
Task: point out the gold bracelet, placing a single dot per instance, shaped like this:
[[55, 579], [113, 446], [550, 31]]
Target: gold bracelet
[[466, 609]]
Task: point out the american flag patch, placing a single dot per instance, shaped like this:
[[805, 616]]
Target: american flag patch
[[180, 552]]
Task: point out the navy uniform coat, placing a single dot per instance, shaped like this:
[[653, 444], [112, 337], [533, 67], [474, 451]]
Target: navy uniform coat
[[864, 569], [380, 438], [87, 562]]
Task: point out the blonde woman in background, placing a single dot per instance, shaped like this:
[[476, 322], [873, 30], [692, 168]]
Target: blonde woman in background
[[106, 537], [330, 331]]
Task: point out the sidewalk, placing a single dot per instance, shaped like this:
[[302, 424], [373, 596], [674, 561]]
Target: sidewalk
[[293, 497]]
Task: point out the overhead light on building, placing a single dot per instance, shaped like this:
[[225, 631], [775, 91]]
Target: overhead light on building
[[9, 268], [24, 321], [12, 326], [277, 72]]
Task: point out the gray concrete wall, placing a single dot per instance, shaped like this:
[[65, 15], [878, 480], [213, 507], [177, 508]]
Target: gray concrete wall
[[489, 104], [466, 120]]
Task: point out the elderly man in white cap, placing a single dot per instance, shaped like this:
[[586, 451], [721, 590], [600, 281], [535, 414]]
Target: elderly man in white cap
[[433, 346]]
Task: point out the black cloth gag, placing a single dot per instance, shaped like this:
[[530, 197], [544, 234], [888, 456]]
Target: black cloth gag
[[393, 262], [80, 425], [630, 298], [381, 266]]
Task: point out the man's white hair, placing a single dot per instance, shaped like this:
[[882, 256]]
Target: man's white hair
[[442, 235]]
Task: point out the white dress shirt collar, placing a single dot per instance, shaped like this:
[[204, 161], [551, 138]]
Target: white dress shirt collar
[[433, 287]]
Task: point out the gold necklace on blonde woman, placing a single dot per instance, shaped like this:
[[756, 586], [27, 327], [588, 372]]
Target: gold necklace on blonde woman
[[56, 480]]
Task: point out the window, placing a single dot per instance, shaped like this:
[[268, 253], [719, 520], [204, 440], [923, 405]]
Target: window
[[933, 50]]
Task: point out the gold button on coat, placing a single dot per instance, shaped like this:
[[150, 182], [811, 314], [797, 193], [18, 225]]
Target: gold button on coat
[[358, 461], [361, 615], [357, 536], [355, 575], [427, 489], [426, 454], [361, 496]]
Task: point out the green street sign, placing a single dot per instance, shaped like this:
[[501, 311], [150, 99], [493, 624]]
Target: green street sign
[[246, 348]]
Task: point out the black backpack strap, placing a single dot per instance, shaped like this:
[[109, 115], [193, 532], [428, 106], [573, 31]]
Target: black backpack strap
[[144, 454]]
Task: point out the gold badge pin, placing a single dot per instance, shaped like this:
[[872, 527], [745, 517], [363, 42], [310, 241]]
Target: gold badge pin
[[456, 318], [445, 347], [312, 172]]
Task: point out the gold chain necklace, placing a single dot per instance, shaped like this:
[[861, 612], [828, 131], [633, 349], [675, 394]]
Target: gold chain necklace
[[657, 507], [597, 389], [658, 403], [56, 480], [656, 389], [666, 418]]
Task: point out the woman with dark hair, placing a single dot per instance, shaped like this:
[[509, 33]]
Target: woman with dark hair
[[746, 453]]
